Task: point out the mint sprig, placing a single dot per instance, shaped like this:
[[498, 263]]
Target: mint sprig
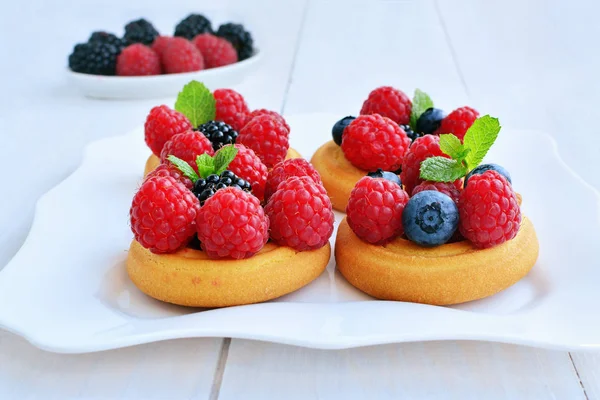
[[421, 102], [464, 156], [197, 103], [184, 167], [206, 164]]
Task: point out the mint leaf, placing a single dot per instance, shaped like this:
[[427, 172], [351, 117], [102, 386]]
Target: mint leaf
[[442, 169], [197, 103], [184, 167], [451, 145], [421, 102], [479, 138], [224, 156], [206, 165]]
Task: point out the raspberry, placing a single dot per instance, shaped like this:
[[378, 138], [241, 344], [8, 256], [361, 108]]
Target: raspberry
[[247, 165], [231, 108], [160, 44], [422, 148], [287, 169], [163, 214], [268, 137], [217, 52], [388, 102], [192, 25], [489, 212], [239, 37], [232, 224], [168, 169], [374, 210], [263, 111], [187, 146], [138, 60], [458, 122], [181, 55], [140, 31], [447, 188], [373, 141], [300, 214], [161, 125], [94, 58]]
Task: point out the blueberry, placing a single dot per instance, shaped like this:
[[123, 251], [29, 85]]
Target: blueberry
[[487, 167], [338, 129], [430, 120], [390, 176], [430, 218]]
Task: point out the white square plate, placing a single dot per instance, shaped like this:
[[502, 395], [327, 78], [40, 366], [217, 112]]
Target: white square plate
[[66, 290]]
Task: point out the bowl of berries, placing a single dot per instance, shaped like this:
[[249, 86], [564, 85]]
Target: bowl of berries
[[144, 63]]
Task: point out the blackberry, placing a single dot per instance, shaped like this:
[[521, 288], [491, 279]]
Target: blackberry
[[240, 38], [390, 176], [108, 38], [205, 188], [430, 121], [412, 135], [94, 58], [139, 31], [338, 129], [192, 25], [219, 133]]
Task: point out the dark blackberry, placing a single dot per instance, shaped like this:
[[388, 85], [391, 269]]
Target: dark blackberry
[[195, 243], [192, 25], [139, 31], [390, 176], [412, 135], [240, 38], [94, 58], [430, 121], [205, 188], [338, 129], [219, 133], [108, 38]]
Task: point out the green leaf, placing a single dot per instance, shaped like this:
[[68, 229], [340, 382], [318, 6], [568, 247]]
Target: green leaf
[[206, 165], [197, 103], [421, 102], [479, 138], [224, 156], [184, 167], [451, 145], [442, 169]]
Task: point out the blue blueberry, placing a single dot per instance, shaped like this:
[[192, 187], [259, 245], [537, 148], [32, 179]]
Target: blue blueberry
[[430, 218], [390, 176], [487, 167], [430, 120], [338, 129]]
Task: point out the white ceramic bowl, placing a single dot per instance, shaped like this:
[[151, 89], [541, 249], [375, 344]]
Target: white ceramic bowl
[[146, 87]]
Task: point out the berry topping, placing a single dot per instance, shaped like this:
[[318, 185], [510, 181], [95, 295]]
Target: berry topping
[[300, 214], [338, 129], [180, 55], [216, 51], [161, 125], [430, 218], [240, 38], [373, 141], [268, 137], [375, 209], [138, 60], [458, 122], [186, 146], [287, 169], [140, 31], [430, 121], [489, 167], [231, 108], [390, 176], [219, 133], [247, 165], [448, 188], [163, 214], [421, 149], [160, 44], [94, 58], [206, 188], [169, 169], [192, 25], [232, 224], [412, 135], [388, 102], [262, 111], [489, 211]]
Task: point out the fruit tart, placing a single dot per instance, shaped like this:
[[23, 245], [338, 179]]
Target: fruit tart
[[207, 233]]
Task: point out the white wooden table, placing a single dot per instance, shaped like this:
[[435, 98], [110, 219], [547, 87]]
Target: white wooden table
[[534, 64]]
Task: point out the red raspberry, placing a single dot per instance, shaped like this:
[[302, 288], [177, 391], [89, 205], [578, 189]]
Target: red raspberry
[[263, 111], [268, 137], [388, 102], [374, 210], [373, 141], [180, 55], [448, 188], [161, 125], [231, 108], [216, 51], [300, 214], [489, 212], [187, 146], [138, 60], [422, 148], [287, 169], [160, 44], [163, 214], [168, 169], [247, 165], [458, 122], [232, 224]]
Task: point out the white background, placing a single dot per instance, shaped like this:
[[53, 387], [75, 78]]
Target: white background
[[533, 64]]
